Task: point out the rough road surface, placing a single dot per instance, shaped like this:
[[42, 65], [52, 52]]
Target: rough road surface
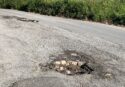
[[27, 40]]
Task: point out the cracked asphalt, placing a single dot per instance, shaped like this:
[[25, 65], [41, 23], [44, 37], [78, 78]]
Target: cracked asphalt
[[26, 44]]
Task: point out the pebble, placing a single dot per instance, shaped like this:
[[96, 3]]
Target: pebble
[[74, 54], [67, 64], [70, 67], [63, 62], [57, 67], [61, 68], [81, 63], [74, 63], [68, 72], [108, 75], [57, 62]]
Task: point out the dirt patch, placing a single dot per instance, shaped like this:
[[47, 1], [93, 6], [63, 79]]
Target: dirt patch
[[20, 19]]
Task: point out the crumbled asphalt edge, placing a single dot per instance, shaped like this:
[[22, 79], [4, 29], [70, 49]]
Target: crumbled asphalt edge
[[95, 68], [20, 19]]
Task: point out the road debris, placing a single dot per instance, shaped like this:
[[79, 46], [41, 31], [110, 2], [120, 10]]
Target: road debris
[[70, 65], [27, 20], [20, 19], [76, 63], [74, 54], [108, 76]]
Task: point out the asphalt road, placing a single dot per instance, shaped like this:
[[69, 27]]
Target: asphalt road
[[28, 39], [107, 32]]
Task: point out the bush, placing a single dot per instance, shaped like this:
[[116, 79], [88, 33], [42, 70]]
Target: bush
[[118, 16], [112, 11]]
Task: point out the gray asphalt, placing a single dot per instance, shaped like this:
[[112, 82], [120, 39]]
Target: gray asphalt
[[25, 44], [107, 32], [110, 33], [40, 82]]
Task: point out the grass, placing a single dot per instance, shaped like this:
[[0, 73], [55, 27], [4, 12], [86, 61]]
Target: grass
[[106, 11]]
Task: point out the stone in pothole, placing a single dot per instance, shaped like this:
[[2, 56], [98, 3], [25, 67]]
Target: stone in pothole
[[68, 63], [70, 67]]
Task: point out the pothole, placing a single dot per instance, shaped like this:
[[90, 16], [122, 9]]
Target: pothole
[[77, 63], [70, 67], [72, 63], [20, 19]]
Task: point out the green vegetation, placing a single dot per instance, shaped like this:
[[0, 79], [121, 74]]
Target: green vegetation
[[107, 11]]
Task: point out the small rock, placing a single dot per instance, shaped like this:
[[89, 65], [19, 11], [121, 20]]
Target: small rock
[[57, 62], [74, 54], [56, 67], [63, 62], [67, 64], [68, 72], [61, 68], [74, 63], [70, 62], [35, 21], [80, 63], [108, 75]]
